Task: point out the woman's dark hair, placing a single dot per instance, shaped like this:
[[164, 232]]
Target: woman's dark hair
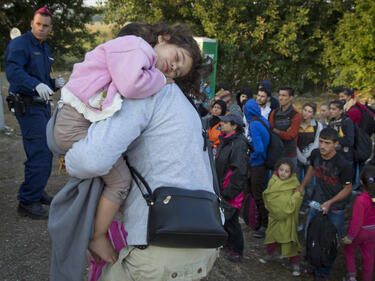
[[223, 106], [338, 103], [312, 105], [288, 162], [347, 92], [367, 177], [179, 35], [239, 129]]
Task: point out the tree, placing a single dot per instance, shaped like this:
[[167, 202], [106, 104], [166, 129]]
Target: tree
[[350, 53], [69, 38], [269, 39]]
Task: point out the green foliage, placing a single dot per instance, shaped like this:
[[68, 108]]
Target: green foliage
[[69, 36], [271, 39], [350, 53]]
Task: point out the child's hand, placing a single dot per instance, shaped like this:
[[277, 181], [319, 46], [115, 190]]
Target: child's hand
[[346, 240], [299, 189], [170, 81]]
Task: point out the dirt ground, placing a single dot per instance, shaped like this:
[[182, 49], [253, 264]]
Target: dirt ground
[[25, 243]]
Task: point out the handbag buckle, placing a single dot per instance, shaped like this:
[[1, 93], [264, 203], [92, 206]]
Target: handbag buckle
[[166, 200], [149, 199]]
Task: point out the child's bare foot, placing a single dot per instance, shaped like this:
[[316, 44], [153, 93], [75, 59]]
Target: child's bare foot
[[100, 246]]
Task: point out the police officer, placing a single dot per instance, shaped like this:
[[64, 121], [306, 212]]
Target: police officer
[[27, 66]]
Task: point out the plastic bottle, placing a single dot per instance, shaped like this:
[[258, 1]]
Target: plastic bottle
[[315, 205]]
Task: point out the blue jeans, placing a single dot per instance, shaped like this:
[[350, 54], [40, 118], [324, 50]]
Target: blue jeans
[[337, 217]]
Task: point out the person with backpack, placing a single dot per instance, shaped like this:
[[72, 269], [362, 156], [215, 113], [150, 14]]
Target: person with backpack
[[333, 175], [345, 129], [231, 168], [357, 112], [308, 140], [283, 204], [259, 138], [285, 122], [364, 119], [361, 232]]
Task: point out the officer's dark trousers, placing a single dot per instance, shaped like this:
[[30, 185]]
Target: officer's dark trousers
[[39, 158]]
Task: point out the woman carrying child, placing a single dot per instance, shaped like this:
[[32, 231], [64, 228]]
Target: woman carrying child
[[283, 204], [361, 231], [126, 67]]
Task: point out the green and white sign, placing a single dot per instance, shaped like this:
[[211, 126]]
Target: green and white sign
[[209, 49]]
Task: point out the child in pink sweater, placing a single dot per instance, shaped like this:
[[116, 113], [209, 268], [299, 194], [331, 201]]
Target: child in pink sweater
[[361, 231], [126, 67]]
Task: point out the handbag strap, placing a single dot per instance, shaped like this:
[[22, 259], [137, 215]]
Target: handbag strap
[[138, 177], [207, 146], [148, 196]]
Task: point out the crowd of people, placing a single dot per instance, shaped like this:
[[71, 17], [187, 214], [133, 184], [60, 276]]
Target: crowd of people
[[318, 165], [146, 112]]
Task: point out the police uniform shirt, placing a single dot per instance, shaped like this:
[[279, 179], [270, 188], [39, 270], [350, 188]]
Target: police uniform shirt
[[27, 64]]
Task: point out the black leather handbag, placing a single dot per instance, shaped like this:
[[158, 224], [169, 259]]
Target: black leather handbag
[[182, 218]]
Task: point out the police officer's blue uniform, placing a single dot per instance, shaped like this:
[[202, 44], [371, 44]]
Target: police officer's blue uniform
[[27, 64]]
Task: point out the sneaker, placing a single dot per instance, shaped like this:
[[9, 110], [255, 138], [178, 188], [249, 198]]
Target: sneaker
[[260, 233], [266, 258], [234, 257], [296, 269]]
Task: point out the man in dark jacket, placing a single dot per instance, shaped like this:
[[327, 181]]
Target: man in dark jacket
[[285, 122]]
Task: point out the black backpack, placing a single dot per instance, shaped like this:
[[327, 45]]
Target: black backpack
[[276, 148], [362, 145], [322, 242], [367, 123]]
